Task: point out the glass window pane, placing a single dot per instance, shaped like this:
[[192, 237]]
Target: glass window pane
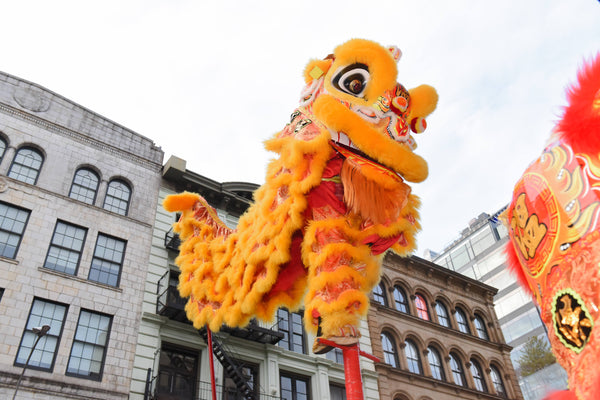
[[85, 185], [421, 306], [12, 226], [412, 357], [65, 248], [107, 260], [457, 370], [389, 350], [378, 294], [26, 165], [89, 346], [117, 197], [42, 313], [442, 314], [435, 364], [400, 300]]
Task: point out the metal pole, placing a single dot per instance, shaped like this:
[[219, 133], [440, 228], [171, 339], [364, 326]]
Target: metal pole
[[354, 389], [39, 332], [211, 362]]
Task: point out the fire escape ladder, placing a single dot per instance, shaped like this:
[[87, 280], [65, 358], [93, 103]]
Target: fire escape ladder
[[230, 366]]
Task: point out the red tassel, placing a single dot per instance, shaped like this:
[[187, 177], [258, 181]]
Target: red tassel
[[580, 123]]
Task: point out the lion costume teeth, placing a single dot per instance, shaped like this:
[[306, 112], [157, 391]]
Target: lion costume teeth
[[318, 225]]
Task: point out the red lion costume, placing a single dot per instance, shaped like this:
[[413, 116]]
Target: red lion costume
[[554, 222]]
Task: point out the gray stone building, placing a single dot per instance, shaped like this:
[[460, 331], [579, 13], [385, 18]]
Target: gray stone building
[[78, 195], [274, 360], [437, 335]]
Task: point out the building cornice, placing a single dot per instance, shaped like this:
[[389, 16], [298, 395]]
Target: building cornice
[[81, 138]]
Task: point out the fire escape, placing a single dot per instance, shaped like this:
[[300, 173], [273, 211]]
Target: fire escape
[[171, 305]]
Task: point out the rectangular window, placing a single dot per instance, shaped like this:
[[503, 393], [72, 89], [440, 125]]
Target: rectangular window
[[337, 392], [65, 248], [335, 355], [290, 324], [107, 261], [89, 346], [42, 313], [12, 225], [294, 387]]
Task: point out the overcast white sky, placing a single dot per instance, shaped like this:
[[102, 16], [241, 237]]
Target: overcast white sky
[[209, 81]]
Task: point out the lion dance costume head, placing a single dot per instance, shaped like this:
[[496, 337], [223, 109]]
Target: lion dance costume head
[[555, 240], [332, 203]]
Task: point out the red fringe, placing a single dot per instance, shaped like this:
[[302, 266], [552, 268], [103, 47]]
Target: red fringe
[[580, 123], [369, 199]]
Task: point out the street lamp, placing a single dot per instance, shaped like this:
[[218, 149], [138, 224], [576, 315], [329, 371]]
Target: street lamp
[[40, 331]]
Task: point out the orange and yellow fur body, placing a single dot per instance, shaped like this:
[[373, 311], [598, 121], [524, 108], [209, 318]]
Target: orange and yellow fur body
[[332, 202]]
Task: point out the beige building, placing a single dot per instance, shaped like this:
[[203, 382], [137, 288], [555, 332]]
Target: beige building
[[437, 335], [78, 194]]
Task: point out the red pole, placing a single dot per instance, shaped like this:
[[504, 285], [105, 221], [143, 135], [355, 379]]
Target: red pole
[[212, 364], [354, 389]]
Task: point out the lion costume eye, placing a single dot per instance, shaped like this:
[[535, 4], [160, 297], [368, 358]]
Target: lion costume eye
[[352, 79]]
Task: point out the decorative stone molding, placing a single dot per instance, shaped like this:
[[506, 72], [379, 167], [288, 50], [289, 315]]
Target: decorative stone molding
[[32, 99]]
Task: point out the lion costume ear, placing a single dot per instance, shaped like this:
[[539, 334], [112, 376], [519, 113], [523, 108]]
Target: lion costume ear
[[316, 69], [423, 101]]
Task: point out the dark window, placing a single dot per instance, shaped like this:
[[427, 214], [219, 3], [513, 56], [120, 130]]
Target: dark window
[[89, 346], [250, 374], [461, 321], [478, 376], [117, 197], [458, 373], [2, 148], [390, 355], [400, 300], [290, 324], [421, 305], [435, 363], [335, 355], [42, 313], [412, 357], [379, 294], [442, 314], [337, 392], [294, 387], [177, 374], [85, 186], [1, 293], [65, 248], [497, 382], [107, 261], [12, 225], [480, 328], [26, 165]]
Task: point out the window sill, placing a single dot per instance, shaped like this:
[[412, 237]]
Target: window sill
[[78, 279]]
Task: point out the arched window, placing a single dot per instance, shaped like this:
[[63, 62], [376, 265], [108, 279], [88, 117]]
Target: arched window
[[435, 364], [400, 299], [442, 314], [478, 377], [421, 305], [480, 328], [412, 357], [117, 197], [461, 321], [389, 350], [26, 165], [379, 294], [458, 373], [497, 382], [84, 186], [2, 147]]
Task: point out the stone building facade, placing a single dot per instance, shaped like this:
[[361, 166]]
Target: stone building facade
[[437, 335], [78, 194], [275, 359]]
